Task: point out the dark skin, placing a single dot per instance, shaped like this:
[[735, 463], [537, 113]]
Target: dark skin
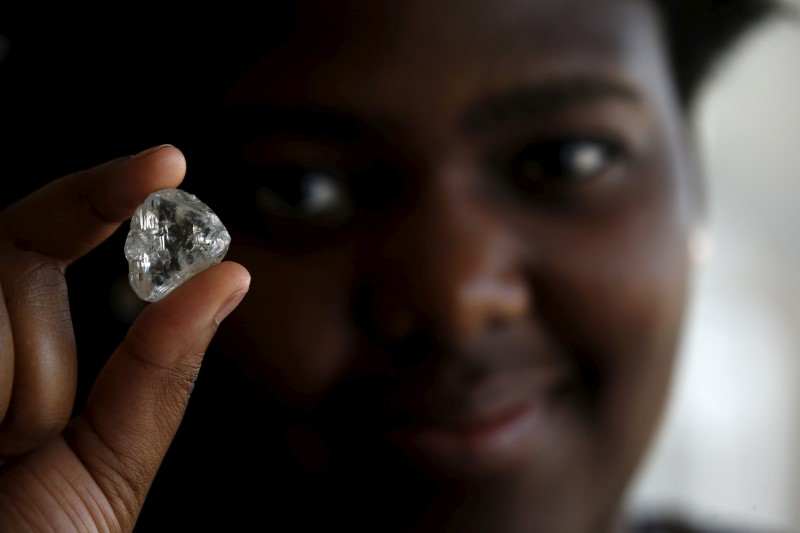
[[474, 299]]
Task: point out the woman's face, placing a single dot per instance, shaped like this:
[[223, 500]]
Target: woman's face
[[468, 240]]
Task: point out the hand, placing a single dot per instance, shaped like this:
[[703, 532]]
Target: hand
[[93, 472]]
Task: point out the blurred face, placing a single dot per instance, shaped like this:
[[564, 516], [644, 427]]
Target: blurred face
[[467, 228]]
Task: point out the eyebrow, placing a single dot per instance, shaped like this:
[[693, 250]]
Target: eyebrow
[[241, 123], [532, 102]]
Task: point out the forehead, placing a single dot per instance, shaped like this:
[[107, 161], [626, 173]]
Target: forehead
[[422, 59]]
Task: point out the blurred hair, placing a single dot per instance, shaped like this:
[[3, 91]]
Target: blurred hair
[[700, 32]]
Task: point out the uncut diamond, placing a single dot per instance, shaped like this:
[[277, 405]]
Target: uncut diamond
[[173, 236]]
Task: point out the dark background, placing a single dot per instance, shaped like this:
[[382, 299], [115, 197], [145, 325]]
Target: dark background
[[78, 89]]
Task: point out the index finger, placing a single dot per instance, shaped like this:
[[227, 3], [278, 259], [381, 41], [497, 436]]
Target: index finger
[[71, 215]]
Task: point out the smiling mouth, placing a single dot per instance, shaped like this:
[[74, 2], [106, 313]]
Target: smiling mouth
[[492, 406], [474, 444], [480, 441]]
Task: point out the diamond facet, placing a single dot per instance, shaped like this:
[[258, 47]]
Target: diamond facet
[[173, 236]]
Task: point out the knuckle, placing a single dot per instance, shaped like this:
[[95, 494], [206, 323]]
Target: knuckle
[[176, 380], [40, 278], [184, 379], [18, 438], [176, 384], [37, 283]]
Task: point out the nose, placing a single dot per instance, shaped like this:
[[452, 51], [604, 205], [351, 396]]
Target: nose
[[448, 266]]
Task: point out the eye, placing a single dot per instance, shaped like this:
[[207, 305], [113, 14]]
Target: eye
[[302, 193], [565, 160]]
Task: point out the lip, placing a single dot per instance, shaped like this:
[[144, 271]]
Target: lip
[[478, 443]]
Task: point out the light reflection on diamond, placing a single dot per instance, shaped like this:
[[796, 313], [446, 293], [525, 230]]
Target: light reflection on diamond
[[173, 236]]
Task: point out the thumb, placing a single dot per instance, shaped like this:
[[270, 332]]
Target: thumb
[[138, 401]]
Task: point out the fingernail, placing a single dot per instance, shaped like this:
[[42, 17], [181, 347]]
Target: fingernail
[[229, 305], [149, 151]]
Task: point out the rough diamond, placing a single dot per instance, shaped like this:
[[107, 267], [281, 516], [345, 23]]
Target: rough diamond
[[173, 236]]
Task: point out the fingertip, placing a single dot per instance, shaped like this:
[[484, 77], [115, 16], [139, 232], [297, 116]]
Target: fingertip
[[148, 151], [159, 167], [184, 321], [239, 283], [124, 183], [238, 276], [203, 294]]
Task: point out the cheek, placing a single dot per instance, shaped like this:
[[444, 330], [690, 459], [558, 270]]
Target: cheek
[[615, 295], [291, 332]]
